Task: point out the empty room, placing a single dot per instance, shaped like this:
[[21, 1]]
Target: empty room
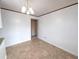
[[38, 29]]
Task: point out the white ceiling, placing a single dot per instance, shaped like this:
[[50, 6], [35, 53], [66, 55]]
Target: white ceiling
[[40, 7]]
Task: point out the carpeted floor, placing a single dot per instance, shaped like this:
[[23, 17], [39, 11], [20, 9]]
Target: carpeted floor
[[37, 49]]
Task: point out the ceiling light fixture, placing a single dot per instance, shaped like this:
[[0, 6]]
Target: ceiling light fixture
[[23, 9], [27, 9]]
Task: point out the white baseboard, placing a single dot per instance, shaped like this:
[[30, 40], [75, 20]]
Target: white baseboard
[[17, 43], [58, 46]]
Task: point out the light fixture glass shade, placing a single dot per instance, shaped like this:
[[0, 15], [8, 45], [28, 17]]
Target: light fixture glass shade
[[28, 11], [31, 10], [23, 10]]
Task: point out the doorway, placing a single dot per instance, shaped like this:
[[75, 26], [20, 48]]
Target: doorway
[[34, 24]]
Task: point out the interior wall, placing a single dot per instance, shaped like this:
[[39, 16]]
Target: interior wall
[[16, 27], [60, 28], [34, 27]]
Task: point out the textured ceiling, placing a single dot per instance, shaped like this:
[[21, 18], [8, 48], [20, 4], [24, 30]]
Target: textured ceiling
[[40, 7]]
